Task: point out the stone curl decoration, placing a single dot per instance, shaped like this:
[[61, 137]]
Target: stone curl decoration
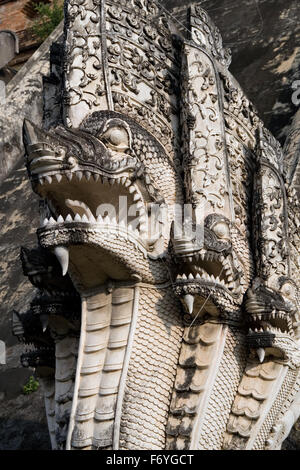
[[167, 306]]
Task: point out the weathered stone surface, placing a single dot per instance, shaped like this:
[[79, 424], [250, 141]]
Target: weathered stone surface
[[20, 222]]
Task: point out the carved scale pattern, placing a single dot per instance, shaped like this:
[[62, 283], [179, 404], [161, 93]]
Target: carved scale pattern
[[276, 438], [200, 406], [198, 352], [224, 391], [271, 418], [151, 371]]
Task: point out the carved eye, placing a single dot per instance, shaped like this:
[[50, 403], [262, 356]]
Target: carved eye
[[221, 229], [117, 138], [289, 290]]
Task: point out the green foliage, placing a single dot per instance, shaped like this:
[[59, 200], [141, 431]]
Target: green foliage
[[31, 386], [49, 16]]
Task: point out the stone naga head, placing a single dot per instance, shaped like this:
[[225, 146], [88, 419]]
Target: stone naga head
[[274, 320], [101, 183]]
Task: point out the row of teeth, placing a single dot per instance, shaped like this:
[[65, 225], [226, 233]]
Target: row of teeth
[[87, 175], [53, 293], [213, 257], [267, 329], [269, 316], [99, 220], [205, 257], [204, 275]]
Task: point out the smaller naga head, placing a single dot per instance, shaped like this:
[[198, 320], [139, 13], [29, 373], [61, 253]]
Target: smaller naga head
[[213, 274], [273, 318], [44, 272], [40, 353]]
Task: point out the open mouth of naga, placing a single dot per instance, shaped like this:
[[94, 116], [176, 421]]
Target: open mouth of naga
[[269, 320], [85, 205], [212, 269], [202, 278]]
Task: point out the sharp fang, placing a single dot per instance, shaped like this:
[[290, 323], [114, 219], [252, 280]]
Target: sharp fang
[[48, 179], [44, 321], [136, 197], [261, 354], [79, 207], [62, 254], [189, 302]]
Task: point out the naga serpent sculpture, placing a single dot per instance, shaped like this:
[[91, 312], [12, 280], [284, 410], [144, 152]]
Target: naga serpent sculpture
[[178, 339]]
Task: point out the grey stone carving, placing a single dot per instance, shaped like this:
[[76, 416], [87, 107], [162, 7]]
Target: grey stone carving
[[159, 339]]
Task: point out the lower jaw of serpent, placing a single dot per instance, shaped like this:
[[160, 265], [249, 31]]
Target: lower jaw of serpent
[[97, 255]]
